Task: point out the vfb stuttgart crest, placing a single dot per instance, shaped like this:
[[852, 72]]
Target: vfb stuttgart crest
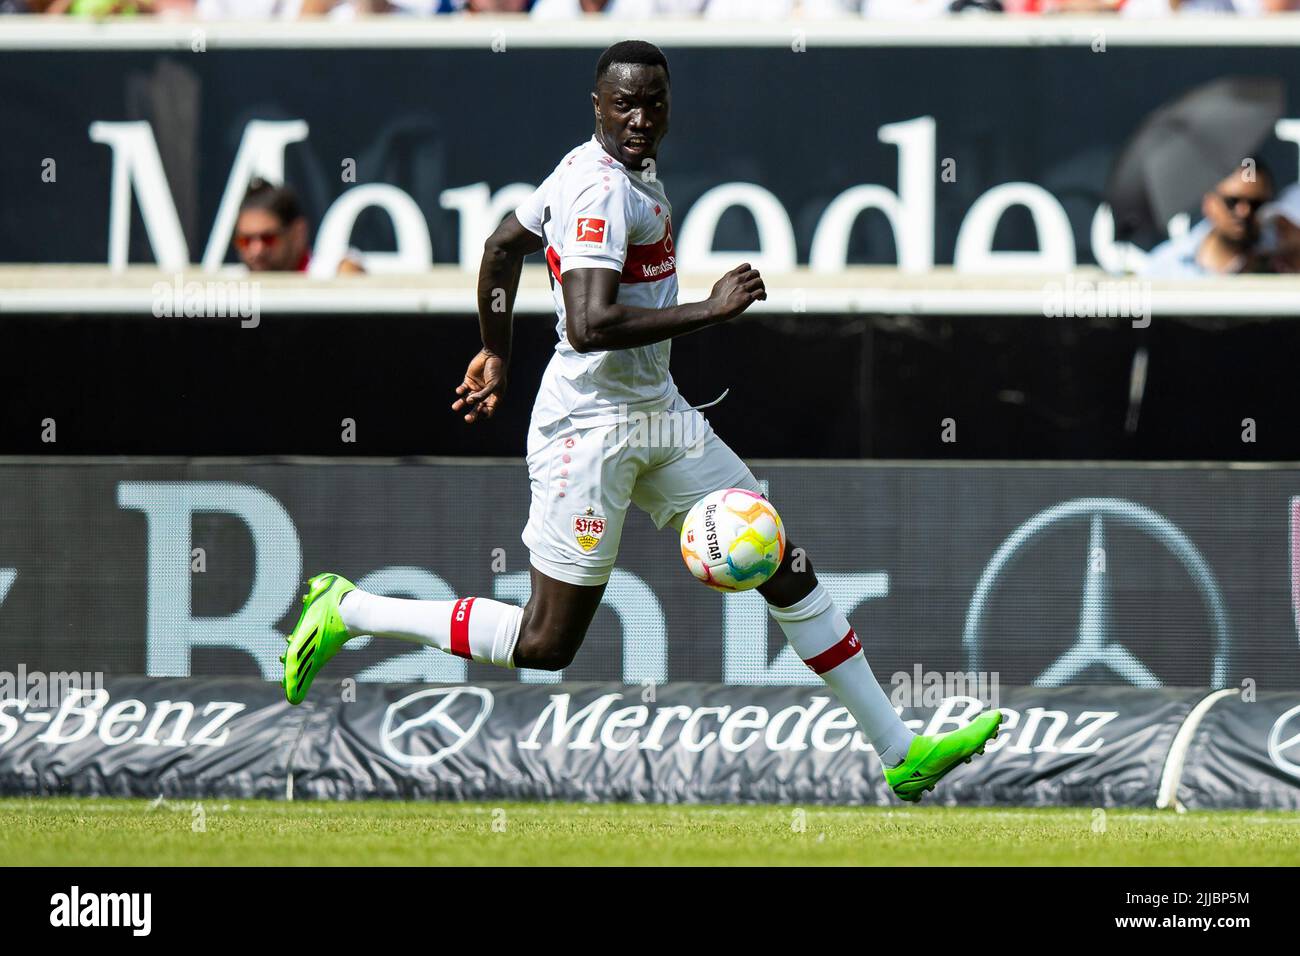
[[588, 529]]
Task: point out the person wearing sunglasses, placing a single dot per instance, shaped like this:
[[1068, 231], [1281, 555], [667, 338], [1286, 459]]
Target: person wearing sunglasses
[[271, 232], [1280, 222], [1226, 241]]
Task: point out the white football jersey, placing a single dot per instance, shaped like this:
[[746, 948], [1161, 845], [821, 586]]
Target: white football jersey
[[593, 213]]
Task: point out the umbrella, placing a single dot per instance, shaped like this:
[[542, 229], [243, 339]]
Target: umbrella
[[1185, 147]]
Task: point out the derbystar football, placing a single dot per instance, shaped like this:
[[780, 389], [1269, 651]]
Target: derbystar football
[[732, 540]]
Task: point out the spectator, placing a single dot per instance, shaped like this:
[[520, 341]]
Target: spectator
[[936, 9], [619, 9], [1226, 240], [1281, 219], [906, 9], [248, 9], [271, 232], [175, 9], [425, 8], [1151, 9]]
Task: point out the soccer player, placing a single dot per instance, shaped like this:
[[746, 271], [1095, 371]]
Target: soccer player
[[606, 227]]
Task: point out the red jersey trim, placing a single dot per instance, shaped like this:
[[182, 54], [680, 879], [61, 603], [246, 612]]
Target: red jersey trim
[[553, 263], [644, 263], [652, 262]]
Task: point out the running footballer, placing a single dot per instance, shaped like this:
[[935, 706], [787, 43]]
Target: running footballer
[[604, 222]]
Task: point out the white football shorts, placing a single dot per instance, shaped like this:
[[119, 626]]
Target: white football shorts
[[584, 478]]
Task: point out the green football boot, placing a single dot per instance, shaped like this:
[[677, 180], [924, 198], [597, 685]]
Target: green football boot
[[318, 635], [929, 759]]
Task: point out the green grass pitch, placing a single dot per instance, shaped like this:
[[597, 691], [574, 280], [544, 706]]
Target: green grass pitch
[[81, 832]]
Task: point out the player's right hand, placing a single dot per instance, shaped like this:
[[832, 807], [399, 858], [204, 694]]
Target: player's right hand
[[485, 383], [737, 291]]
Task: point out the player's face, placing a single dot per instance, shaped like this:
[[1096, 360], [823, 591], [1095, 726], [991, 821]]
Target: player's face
[[632, 102]]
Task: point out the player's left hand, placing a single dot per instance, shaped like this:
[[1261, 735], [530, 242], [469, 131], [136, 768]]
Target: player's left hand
[[485, 383]]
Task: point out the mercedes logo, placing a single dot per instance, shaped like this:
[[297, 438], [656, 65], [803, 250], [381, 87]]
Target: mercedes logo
[[427, 727], [1284, 751], [1094, 645]]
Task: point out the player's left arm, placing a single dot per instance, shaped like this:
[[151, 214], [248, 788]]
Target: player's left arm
[[498, 283], [597, 321]]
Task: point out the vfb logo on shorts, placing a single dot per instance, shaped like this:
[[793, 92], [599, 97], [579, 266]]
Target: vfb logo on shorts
[[588, 530]]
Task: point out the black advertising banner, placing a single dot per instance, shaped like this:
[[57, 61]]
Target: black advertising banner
[[671, 743], [916, 155], [1246, 754], [143, 737], [674, 743], [1021, 388], [1035, 575], [711, 743], [802, 163]]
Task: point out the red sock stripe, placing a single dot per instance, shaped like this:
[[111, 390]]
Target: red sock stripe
[[460, 627], [836, 654]]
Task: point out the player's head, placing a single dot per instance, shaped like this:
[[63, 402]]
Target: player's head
[[631, 100], [271, 231]]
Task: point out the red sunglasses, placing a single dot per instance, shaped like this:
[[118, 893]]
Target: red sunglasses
[[268, 239]]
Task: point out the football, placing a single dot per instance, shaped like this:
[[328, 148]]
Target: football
[[733, 540]]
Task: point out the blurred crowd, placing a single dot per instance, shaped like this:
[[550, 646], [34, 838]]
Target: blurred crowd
[[639, 9]]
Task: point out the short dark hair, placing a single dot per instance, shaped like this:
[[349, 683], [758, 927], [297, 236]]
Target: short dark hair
[[632, 51], [282, 201]]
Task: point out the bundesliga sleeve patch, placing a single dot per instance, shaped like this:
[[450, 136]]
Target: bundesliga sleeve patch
[[590, 231]]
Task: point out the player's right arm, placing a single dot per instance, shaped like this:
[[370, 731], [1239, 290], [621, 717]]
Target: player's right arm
[[498, 283], [597, 322]]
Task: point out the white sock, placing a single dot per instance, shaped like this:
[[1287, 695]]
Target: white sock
[[822, 638], [477, 629]]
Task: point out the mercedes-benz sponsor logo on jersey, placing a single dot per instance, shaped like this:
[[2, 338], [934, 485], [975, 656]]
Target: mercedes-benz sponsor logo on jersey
[[1095, 644], [427, 727], [1284, 742]]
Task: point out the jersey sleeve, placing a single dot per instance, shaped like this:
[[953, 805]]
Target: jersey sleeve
[[594, 228], [531, 209]]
